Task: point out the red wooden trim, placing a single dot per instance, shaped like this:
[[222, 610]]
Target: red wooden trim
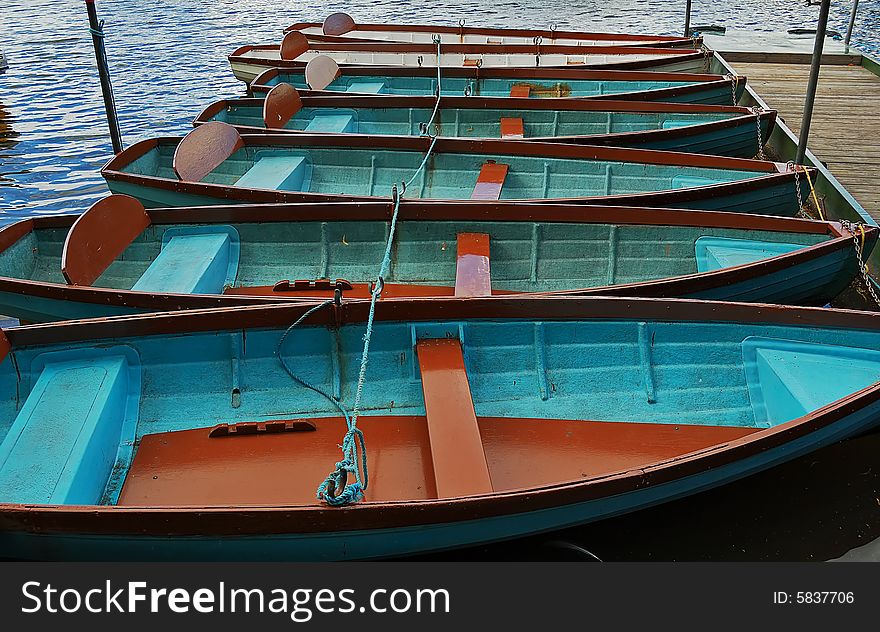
[[357, 290], [100, 235], [280, 105], [490, 181], [489, 147], [5, 346], [11, 233], [512, 128], [460, 467], [547, 34], [472, 271], [338, 24], [298, 40], [203, 150], [355, 100]]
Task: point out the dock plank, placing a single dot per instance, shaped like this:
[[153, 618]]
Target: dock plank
[[845, 129]]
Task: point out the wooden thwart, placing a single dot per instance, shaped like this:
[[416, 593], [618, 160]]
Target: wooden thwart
[[512, 128], [490, 181], [520, 91], [472, 271], [460, 467]]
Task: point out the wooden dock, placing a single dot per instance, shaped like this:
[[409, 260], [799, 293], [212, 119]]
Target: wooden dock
[[845, 132]]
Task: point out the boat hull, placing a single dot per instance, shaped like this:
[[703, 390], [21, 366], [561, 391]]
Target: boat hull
[[542, 83], [764, 196], [93, 544], [246, 67], [811, 273], [541, 172], [754, 401], [686, 128]]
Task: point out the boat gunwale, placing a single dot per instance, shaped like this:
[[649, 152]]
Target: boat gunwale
[[531, 72], [840, 239], [486, 146], [650, 42], [767, 173], [237, 57], [266, 520], [655, 94], [490, 31], [368, 46], [396, 102]]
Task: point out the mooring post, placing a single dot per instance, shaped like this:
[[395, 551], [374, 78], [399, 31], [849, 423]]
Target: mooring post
[[852, 23], [818, 47], [96, 28], [687, 19]]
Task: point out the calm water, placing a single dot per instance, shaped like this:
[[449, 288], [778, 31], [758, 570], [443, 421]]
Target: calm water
[[168, 61]]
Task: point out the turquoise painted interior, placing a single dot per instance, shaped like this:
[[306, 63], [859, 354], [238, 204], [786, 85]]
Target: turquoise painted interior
[[491, 87], [356, 171], [525, 256], [469, 122], [619, 371]]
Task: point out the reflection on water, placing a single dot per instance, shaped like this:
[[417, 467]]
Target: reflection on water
[[8, 140], [168, 60]]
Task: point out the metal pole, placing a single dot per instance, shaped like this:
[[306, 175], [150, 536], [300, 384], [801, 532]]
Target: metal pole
[[687, 20], [852, 23], [97, 30], [821, 27]]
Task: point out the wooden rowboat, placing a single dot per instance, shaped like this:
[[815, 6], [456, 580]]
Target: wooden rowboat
[[118, 258], [295, 50], [183, 436], [216, 165], [700, 129], [342, 27], [323, 73]]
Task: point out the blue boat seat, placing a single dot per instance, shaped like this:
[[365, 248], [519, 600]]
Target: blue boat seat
[[285, 173], [65, 441], [193, 261], [332, 123], [787, 379], [372, 87], [715, 253]]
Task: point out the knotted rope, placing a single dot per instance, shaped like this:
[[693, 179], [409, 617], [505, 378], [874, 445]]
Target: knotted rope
[[335, 490]]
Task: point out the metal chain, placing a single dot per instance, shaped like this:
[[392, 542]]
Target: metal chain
[[797, 185], [854, 229], [757, 111], [707, 56], [732, 78]]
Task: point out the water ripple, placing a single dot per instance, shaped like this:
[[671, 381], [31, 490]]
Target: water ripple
[[168, 60]]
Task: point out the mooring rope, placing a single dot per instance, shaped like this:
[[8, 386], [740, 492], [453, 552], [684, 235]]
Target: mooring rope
[[338, 479], [334, 489], [437, 101]]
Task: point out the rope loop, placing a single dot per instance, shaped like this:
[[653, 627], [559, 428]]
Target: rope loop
[[335, 490], [98, 32]]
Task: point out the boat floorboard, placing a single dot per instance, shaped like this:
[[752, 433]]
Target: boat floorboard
[[845, 125]]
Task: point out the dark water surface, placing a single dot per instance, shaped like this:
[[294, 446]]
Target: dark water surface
[[168, 60]]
